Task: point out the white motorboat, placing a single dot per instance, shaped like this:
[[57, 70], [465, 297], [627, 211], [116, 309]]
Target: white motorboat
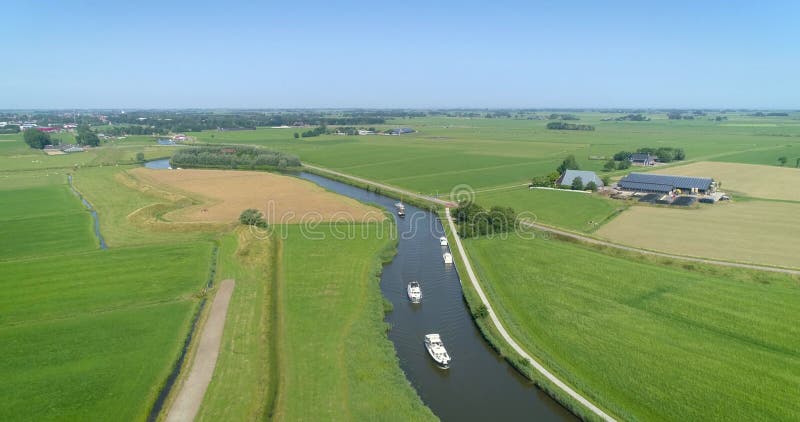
[[443, 241], [414, 292], [401, 212], [436, 349], [448, 258]]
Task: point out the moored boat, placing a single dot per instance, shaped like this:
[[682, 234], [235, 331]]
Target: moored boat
[[448, 258], [436, 349], [443, 241], [414, 292]]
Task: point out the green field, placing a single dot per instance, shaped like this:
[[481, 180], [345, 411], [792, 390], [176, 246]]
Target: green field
[[494, 152], [94, 334], [571, 210], [650, 341]]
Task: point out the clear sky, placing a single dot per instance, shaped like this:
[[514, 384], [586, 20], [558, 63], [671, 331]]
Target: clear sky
[[265, 54]]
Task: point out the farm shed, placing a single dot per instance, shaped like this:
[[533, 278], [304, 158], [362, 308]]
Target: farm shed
[[586, 177], [662, 183], [639, 159]]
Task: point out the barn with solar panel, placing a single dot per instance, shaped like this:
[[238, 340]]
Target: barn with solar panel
[[662, 183]]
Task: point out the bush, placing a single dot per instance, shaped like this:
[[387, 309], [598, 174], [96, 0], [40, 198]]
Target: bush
[[140, 157], [592, 186], [577, 184], [36, 139], [252, 217]]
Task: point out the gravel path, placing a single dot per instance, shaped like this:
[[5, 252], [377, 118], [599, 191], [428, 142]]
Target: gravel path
[[190, 396]]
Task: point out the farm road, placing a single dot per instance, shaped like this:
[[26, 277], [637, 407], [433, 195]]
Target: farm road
[[190, 396]]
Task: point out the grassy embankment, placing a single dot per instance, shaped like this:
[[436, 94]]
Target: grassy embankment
[[650, 339]]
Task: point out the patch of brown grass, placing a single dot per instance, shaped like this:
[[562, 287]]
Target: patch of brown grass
[[219, 196]]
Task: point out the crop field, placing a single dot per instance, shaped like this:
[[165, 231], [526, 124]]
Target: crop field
[[94, 341], [332, 332], [650, 341], [281, 199], [494, 152], [571, 210], [758, 181], [753, 231]]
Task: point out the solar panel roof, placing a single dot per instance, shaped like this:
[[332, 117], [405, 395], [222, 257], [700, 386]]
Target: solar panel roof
[[680, 182]]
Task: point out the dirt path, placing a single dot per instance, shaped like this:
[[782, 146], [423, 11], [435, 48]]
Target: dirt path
[[190, 396]]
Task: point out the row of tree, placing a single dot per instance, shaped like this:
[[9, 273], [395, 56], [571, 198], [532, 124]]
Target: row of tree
[[568, 126], [472, 220], [664, 154], [231, 157]]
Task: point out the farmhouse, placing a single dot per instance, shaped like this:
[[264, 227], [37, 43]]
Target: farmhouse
[[639, 159], [569, 176], [663, 183]]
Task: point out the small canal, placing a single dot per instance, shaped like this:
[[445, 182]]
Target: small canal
[[479, 384], [91, 211]]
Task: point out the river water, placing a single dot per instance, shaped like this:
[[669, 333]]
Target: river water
[[479, 384]]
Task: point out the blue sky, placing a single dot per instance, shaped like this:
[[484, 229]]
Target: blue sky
[[99, 54]]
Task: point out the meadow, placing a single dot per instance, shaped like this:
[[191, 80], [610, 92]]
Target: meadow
[[94, 334], [497, 152], [761, 232], [571, 210], [650, 341]]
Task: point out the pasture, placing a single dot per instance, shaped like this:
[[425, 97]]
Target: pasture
[[223, 195], [447, 151], [759, 181], [759, 232], [94, 334], [650, 341], [570, 210]]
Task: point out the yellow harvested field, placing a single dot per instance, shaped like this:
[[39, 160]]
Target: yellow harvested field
[[224, 194], [770, 182], [758, 232]]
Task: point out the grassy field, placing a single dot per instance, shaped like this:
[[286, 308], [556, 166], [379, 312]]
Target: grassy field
[[43, 220], [650, 341], [493, 152], [759, 181], [94, 334], [335, 361], [571, 210], [753, 231]]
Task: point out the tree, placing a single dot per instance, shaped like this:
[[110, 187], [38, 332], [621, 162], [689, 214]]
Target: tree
[[622, 156], [296, 135], [797, 163], [610, 165], [36, 139], [606, 180], [252, 217], [783, 160], [86, 136], [577, 184], [569, 163], [140, 157], [622, 165], [592, 186]]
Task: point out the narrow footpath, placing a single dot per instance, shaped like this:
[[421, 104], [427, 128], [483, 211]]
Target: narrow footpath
[[190, 396], [499, 326]]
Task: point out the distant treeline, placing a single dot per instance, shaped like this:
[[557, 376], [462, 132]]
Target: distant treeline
[[568, 126], [233, 157], [771, 114], [664, 154], [556, 116]]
